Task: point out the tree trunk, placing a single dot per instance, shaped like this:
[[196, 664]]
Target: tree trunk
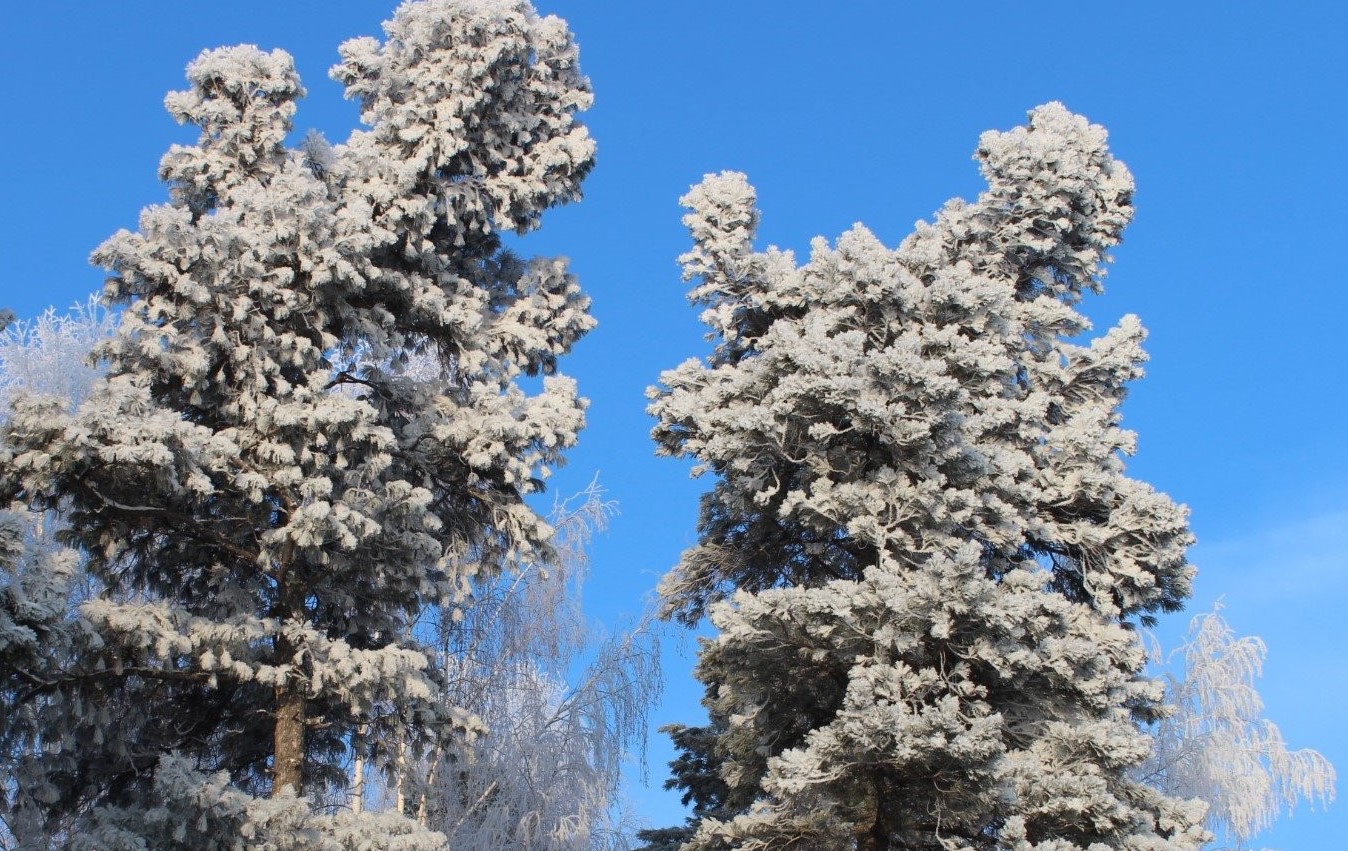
[[288, 759], [358, 781], [870, 833], [401, 803]]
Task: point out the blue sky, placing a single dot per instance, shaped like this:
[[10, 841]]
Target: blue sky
[[1231, 115]]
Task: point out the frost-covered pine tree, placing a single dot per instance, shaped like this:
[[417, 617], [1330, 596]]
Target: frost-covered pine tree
[[921, 553], [39, 579], [268, 502]]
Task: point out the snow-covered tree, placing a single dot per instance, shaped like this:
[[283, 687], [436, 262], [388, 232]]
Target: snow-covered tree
[[39, 579], [266, 544], [922, 554], [1217, 746], [36, 640], [564, 707], [49, 355]]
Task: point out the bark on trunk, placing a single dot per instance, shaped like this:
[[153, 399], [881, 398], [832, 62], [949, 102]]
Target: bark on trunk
[[401, 802], [358, 780], [288, 756], [871, 834], [288, 764], [288, 741]]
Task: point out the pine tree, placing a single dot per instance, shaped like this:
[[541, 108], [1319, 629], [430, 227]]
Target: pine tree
[[696, 771], [39, 578], [267, 500], [921, 552]]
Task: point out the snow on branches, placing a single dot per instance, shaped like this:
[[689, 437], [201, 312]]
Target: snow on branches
[[921, 551], [266, 499]]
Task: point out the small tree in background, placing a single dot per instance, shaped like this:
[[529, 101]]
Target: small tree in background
[[39, 579], [1215, 745], [37, 640], [564, 707], [923, 556], [50, 355], [266, 544]]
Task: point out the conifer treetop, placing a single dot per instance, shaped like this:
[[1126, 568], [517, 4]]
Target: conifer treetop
[[268, 495], [922, 553]]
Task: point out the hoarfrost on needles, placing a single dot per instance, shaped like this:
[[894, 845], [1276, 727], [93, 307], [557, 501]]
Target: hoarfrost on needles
[[921, 552], [267, 503]]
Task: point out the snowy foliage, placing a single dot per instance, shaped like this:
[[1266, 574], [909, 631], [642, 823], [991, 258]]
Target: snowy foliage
[[265, 545], [39, 579], [1216, 745], [50, 355], [194, 811], [922, 553], [563, 707]]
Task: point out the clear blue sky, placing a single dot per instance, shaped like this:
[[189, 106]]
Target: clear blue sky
[[1230, 114]]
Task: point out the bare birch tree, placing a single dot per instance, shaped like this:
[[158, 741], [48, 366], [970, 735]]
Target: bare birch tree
[[1217, 745]]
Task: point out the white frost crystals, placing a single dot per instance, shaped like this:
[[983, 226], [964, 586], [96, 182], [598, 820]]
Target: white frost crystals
[[49, 354], [1216, 744], [923, 556], [265, 545]]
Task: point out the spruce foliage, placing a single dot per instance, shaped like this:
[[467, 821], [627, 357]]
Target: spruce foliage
[[922, 554], [266, 497]]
